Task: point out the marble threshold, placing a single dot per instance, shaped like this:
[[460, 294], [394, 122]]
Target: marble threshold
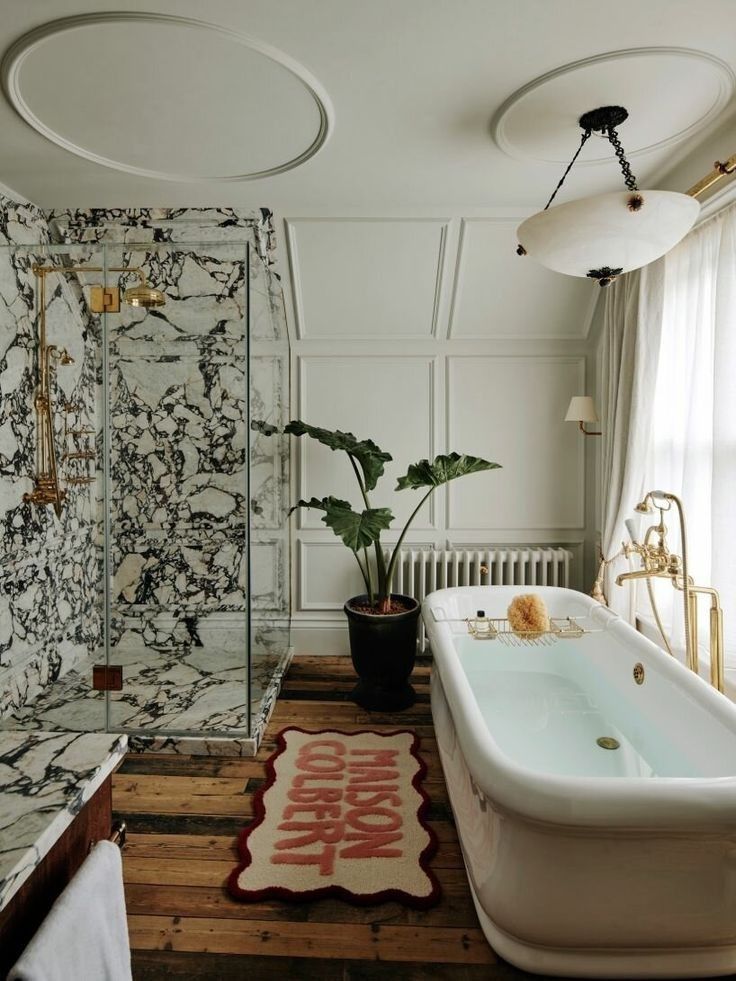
[[188, 701]]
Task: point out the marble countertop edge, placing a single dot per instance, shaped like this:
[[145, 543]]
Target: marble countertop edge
[[11, 879]]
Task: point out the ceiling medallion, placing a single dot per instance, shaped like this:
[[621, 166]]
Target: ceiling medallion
[[146, 120], [538, 121]]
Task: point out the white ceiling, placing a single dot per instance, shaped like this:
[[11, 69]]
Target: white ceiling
[[415, 86]]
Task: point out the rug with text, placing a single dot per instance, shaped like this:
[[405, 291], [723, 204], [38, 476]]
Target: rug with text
[[340, 814]]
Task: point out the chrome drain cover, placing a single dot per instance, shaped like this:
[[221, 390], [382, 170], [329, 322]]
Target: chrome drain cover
[[608, 742]]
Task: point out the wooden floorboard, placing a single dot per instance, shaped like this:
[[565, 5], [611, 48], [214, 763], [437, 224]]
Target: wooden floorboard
[[184, 814]]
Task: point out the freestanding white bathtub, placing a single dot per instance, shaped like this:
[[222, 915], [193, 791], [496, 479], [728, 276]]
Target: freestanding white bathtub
[[585, 861]]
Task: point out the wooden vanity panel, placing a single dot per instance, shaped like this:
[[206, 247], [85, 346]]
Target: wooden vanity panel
[[27, 909]]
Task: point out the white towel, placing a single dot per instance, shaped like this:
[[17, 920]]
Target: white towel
[[85, 935]]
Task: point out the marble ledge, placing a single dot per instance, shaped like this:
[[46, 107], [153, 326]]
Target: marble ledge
[[45, 780]]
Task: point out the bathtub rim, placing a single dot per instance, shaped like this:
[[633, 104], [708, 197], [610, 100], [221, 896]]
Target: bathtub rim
[[675, 804]]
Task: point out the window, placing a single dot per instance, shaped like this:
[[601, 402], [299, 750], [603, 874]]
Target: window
[[693, 450]]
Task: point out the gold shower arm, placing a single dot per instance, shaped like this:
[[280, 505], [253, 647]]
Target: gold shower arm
[[42, 271]]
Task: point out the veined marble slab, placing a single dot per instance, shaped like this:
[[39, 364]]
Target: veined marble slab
[[180, 698], [45, 779]]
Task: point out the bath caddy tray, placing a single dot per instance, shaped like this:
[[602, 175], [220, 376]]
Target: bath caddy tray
[[498, 628]]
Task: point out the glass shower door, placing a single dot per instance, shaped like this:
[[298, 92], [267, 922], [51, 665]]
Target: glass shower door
[[270, 567], [177, 489]]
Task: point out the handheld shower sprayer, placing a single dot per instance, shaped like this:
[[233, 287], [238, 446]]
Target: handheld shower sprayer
[[633, 529]]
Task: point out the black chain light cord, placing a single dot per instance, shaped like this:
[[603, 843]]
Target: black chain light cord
[[583, 141], [613, 139], [629, 178]]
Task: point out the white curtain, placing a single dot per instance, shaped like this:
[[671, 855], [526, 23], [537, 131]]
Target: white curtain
[[632, 325], [693, 452]]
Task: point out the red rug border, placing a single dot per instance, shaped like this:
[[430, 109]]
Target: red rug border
[[335, 891]]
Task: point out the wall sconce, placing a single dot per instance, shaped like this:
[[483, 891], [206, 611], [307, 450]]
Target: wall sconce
[[582, 410], [608, 234]]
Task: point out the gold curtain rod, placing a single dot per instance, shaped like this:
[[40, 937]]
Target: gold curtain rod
[[720, 170]]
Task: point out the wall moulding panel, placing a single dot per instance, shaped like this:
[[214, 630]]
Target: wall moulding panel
[[366, 278], [428, 334], [327, 575], [269, 386], [268, 574], [392, 401], [511, 411], [497, 293]]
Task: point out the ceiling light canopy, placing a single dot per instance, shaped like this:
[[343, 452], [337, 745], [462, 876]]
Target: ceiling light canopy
[[602, 236]]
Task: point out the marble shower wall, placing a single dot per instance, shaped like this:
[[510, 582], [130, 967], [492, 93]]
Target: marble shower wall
[[180, 392], [50, 577]]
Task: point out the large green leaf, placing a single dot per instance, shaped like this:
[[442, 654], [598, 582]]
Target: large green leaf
[[357, 530], [442, 469], [370, 457]]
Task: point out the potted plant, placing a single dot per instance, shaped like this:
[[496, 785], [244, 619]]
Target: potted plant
[[382, 624]]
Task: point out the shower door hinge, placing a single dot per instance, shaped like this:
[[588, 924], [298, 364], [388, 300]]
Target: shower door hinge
[[107, 677], [104, 299]]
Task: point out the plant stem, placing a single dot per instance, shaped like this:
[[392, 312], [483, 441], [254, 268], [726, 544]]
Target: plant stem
[[366, 576], [361, 482], [369, 581], [402, 536], [380, 561]]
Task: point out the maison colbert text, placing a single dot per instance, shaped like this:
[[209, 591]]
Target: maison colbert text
[[342, 804]]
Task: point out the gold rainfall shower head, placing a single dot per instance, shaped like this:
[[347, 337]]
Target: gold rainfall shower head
[[106, 299], [143, 295]]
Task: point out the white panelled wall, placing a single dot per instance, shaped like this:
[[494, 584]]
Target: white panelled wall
[[428, 334]]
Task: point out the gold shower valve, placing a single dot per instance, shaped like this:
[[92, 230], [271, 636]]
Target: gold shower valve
[[104, 299]]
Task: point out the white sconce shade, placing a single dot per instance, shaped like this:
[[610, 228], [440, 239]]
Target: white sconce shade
[[603, 233], [581, 409]]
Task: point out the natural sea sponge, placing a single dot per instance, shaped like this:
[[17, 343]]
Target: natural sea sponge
[[527, 615]]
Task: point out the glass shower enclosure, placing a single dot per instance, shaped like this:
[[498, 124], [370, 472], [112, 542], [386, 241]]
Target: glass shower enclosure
[[166, 566]]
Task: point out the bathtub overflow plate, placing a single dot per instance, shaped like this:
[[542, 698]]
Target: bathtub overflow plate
[[639, 673], [608, 742]]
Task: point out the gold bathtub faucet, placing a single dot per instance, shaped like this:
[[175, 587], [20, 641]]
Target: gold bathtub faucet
[[659, 562]]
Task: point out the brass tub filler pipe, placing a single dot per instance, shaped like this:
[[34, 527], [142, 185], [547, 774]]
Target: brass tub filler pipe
[[47, 489], [658, 562]]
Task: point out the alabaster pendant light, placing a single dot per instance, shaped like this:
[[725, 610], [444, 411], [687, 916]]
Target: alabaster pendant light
[[602, 236]]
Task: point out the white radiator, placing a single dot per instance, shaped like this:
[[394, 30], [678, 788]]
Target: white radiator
[[420, 571]]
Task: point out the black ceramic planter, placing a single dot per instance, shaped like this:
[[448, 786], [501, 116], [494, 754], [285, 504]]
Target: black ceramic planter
[[383, 649]]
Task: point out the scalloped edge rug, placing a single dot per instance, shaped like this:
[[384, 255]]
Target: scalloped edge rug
[[340, 814]]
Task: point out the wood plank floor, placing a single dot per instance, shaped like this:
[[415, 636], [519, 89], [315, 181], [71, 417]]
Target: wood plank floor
[[184, 814]]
